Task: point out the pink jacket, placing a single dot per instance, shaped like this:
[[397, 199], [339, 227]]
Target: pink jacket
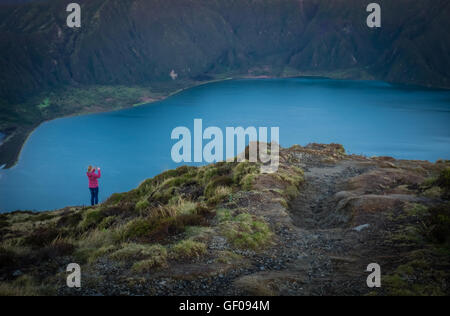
[[93, 179]]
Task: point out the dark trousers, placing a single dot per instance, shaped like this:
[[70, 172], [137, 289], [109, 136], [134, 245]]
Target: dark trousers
[[94, 196]]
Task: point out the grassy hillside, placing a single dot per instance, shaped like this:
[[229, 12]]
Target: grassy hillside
[[165, 221], [225, 229]]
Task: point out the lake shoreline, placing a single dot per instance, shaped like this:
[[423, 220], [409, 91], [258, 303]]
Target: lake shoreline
[[15, 138], [354, 113], [14, 141]]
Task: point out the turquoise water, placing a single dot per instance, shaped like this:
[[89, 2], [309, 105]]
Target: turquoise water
[[370, 118]]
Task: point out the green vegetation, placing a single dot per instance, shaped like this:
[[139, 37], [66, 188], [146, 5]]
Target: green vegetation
[[293, 177], [156, 260], [44, 104], [188, 249], [201, 222], [170, 218], [24, 285], [91, 218], [133, 252], [137, 228], [417, 277], [244, 174], [426, 230], [444, 182], [437, 224], [228, 257], [244, 231], [236, 33], [444, 179]]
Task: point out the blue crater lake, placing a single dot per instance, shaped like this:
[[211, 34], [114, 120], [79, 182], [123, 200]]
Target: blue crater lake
[[370, 118]]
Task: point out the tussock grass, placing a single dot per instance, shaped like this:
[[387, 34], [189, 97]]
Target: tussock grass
[[228, 257], [24, 285], [91, 218], [198, 233], [247, 232], [90, 244], [188, 249], [133, 251], [156, 257]]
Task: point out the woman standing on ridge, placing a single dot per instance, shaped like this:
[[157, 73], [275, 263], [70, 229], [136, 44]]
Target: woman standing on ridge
[[93, 183]]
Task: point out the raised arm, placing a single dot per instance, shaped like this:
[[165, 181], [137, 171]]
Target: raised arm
[[99, 173]]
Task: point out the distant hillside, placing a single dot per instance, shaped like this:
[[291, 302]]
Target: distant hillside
[[141, 41]]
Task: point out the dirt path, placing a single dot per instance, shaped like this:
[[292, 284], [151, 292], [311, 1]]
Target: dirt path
[[314, 208], [320, 253]]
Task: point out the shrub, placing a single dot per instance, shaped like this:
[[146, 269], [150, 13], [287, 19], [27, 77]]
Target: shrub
[[219, 195], [157, 257], [71, 220], [444, 179], [98, 253], [163, 196], [57, 248], [107, 222], [182, 206], [198, 233], [244, 231], [42, 236], [247, 182], [8, 258], [180, 171], [115, 198], [243, 169], [142, 204], [203, 210], [24, 286], [91, 219], [158, 228], [4, 223], [188, 249], [165, 227], [224, 215], [96, 239], [444, 182], [438, 223], [228, 257], [132, 251], [164, 176], [291, 192], [209, 173], [292, 175], [42, 217], [137, 228], [220, 181], [89, 243]]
